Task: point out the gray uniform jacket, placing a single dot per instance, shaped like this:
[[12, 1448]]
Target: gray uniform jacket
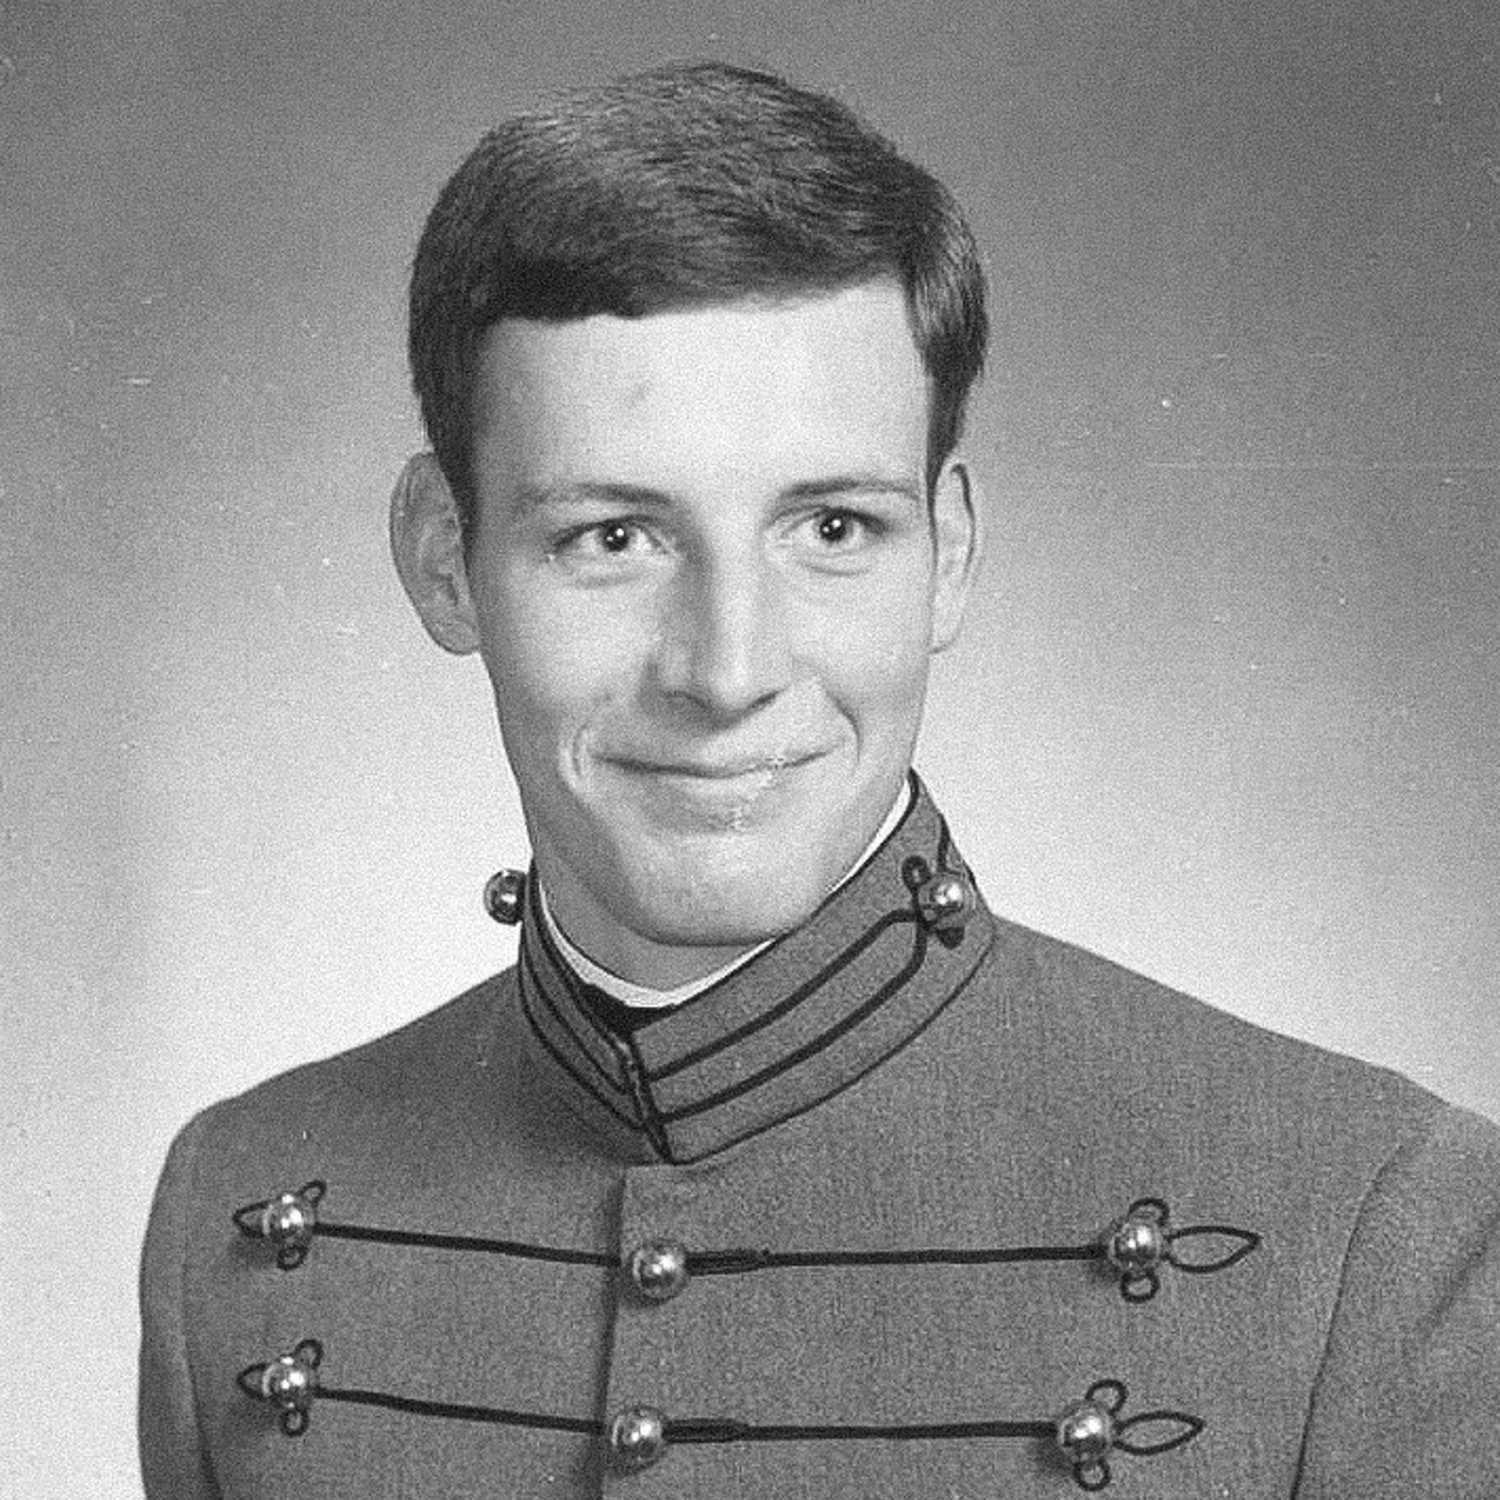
[[917, 1203]]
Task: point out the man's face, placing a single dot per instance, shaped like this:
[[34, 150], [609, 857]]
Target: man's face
[[706, 586]]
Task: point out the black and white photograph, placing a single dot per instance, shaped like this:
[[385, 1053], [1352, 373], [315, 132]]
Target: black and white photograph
[[750, 752]]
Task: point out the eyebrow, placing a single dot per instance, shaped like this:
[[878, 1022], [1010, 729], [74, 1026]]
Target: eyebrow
[[632, 496], [635, 496], [852, 484]]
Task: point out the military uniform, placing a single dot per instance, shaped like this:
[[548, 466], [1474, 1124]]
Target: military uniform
[[916, 1203]]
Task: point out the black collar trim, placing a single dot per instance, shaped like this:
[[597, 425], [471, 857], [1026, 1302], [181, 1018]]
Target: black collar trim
[[802, 1020]]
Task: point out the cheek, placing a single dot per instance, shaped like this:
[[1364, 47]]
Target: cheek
[[876, 658], [553, 658]]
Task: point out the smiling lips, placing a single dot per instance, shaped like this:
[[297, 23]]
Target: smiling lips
[[740, 769], [723, 795]]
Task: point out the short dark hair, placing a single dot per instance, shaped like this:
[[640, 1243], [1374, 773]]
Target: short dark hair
[[688, 185]]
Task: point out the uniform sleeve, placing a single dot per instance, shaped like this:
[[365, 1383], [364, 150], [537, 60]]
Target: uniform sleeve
[[174, 1465], [1407, 1402]]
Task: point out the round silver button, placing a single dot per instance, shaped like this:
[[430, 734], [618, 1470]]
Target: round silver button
[[289, 1382], [1137, 1245], [638, 1438], [659, 1269], [289, 1220], [505, 896], [1086, 1433], [946, 901]]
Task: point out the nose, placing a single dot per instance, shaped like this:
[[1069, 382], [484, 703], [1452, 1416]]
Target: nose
[[723, 643]]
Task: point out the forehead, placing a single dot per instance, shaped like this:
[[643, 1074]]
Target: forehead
[[833, 378]]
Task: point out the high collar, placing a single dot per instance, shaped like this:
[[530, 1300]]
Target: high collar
[[803, 1019]]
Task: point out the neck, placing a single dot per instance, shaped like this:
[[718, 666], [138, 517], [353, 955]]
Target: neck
[[834, 997], [640, 961]]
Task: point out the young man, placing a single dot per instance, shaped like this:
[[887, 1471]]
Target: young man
[[778, 1166]]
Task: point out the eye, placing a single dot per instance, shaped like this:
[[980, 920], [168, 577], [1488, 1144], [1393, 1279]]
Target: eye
[[837, 527], [842, 530], [599, 541], [615, 536]]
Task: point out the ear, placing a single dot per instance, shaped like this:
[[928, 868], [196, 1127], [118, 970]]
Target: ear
[[956, 549], [427, 545]]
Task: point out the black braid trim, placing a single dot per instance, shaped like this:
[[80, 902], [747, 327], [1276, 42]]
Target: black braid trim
[[455, 1411], [1164, 1431], [1221, 1246], [740, 1262], [724, 1430], [514, 1248]]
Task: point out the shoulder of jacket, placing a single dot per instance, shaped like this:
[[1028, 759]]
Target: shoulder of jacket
[[434, 1049], [1145, 1038]]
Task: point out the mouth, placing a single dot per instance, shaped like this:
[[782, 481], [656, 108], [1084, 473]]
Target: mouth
[[737, 769], [733, 794]]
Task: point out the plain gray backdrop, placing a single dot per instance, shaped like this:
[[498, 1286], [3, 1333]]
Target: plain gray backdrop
[[1225, 710]]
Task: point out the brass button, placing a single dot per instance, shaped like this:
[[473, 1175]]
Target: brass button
[[1137, 1245], [946, 901], [659, 1269], [505, 896], [289, 1220], [289, 1382], [638, 1438], [1086, 1433]]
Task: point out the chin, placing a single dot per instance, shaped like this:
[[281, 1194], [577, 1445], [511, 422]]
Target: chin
[[722, 899], [708, 924]]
